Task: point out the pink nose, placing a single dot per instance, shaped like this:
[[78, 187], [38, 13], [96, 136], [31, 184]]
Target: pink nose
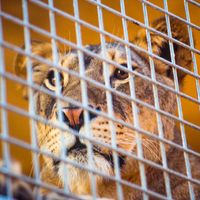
[[74, 116]]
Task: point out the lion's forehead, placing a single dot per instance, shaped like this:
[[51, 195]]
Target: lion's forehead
[[113, 51], [93, 66]]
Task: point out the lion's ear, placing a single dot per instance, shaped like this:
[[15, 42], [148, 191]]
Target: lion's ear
[[39, 69], [160, 45]]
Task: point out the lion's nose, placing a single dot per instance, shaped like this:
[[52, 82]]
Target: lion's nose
[[73, 117]]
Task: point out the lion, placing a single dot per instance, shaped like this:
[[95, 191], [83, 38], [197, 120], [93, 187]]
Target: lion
[[135, 125]]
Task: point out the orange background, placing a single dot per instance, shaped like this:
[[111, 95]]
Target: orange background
[[14, 34]]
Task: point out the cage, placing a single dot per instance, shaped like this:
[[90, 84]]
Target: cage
[[94, 94]]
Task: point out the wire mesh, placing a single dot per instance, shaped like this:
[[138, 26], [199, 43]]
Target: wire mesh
[[79, 159]]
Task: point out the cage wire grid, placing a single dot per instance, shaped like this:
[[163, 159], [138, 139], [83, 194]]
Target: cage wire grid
[[34, 118]]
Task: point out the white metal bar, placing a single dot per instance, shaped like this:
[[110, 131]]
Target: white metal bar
[[66, 15], [37, 149], [59, 191], [134, 106], [42, 60], [43, 120], [156, 100], [4, 116], [10, 76], [169, 13], [82, 22], [179, 106], [33, 133], [155, 165], [84, 95], [55, 56], [31, 181], [141, 24], [194, 3], [109, 104], [64, 41]]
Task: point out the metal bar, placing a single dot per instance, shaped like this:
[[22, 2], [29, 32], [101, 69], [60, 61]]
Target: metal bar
[[109, 103], [126, 17], [9, 76], [141, 24], [64, 41], [4, 115], [43, 120], [27, 146], [71, 72], [33, 133], [55, 57], [156, 100], [36, 87], [134, 106], [84, 95], [170, 14], [179, 106], [31, 181], [194, 3], [59, 191]]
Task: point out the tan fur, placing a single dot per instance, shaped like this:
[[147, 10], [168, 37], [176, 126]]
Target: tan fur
[[51, 138]]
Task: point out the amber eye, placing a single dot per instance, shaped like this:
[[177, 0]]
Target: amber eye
[[51, 77], [50, 82], [121, 74]]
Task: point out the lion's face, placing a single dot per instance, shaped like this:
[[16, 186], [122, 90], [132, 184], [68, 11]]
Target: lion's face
[[75, 149], [124, 110]]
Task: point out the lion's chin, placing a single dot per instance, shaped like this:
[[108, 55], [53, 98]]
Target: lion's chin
[[78, 180]]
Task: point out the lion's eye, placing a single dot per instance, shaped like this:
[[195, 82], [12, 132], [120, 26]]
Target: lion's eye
[[51, 77], [120, 74], [50, 82]]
